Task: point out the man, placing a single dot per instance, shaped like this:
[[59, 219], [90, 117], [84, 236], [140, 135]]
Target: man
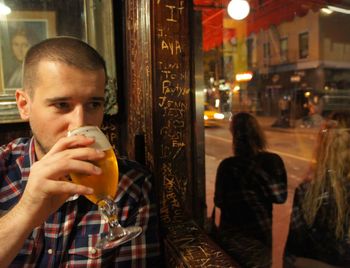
[[43, 220]]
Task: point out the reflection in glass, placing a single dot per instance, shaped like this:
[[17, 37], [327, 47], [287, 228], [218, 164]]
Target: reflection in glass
[[247, 184], [319, 228]]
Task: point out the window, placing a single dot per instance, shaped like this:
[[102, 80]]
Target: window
[[303, 45], [250, 52], [266, 51], [284, 49], [299, 59]]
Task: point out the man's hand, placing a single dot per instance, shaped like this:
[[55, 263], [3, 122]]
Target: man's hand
[[46, 190], [47, 187]]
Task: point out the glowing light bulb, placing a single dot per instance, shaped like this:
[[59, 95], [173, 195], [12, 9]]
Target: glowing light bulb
[[4, 10], [238, 9]]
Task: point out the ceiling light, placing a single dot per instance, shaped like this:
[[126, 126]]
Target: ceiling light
[[326, 11], [238, 9], [4, 10], [339, 9]]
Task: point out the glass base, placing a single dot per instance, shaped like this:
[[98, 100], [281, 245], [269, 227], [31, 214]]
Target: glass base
[[119, 235]]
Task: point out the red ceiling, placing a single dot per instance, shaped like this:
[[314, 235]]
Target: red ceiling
[[210, 2], [213, 13], [271, 12]]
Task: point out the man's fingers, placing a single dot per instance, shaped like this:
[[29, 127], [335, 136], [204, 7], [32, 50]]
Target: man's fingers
[[58, 169], [71, 142], [66, 187]]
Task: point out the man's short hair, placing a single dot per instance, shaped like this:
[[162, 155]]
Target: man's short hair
[[67, 50]]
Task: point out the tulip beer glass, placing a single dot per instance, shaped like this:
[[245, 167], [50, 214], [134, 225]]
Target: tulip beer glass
[[105, 187]]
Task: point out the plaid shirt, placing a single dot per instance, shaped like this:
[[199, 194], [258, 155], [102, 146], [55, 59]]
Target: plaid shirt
[[69, 236], [245, 191]]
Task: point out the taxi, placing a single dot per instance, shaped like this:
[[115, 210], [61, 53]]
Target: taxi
[[212, 116]]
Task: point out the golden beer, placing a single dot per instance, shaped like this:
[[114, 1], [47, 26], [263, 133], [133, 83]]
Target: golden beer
[[105, 188], [105, 185]]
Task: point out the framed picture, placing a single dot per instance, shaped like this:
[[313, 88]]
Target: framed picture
[[18, 32]]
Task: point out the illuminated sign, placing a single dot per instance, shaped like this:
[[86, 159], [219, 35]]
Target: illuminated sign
[[295, 78], [247, 76]]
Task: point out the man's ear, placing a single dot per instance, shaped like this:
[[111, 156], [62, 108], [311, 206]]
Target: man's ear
[[23, 104]]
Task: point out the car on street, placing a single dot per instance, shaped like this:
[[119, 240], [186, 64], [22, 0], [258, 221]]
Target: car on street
[[212, 116]]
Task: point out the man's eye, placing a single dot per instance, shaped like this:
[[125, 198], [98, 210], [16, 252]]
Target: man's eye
[[95, 105], [62, 105]]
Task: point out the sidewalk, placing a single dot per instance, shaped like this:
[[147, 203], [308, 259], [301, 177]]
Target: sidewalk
[[267, 121]]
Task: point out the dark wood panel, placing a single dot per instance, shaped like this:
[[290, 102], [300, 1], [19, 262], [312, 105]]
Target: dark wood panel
[[138, 79], [186, 245], [172, 106]]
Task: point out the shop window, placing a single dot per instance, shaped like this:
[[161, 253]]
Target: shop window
[[250, 52], [284, 49], [266, 52], [30, 22], [303, 45]]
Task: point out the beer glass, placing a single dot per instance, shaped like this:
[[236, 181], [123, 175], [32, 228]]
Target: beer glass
[[105, 188]]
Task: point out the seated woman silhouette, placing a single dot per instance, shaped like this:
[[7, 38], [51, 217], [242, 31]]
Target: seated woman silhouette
[[319, 232], [247, 184]]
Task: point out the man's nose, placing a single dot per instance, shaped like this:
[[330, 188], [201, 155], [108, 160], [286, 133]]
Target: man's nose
[[77, 118]]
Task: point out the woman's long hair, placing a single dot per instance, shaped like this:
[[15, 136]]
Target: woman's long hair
[[248, 137], [331, 172]]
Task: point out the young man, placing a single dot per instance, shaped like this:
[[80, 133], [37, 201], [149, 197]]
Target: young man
[[44, 219]]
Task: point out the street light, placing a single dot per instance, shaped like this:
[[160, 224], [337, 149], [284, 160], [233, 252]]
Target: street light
[[238, 9]]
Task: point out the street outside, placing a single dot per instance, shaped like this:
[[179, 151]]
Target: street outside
[[294, 145]]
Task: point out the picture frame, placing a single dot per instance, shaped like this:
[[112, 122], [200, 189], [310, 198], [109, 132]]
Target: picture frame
[[18, 32]]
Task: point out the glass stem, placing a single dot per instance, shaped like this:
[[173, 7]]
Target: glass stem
[[117, 234], [109, 211]]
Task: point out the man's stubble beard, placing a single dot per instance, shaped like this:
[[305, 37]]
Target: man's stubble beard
[[41, 147]]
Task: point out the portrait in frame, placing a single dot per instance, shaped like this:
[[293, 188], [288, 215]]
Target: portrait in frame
[[18, 32]]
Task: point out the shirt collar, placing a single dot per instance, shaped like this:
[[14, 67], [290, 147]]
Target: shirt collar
[[32, 155]]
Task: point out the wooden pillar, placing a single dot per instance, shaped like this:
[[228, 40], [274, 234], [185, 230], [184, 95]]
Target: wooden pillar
[[138, 80], [172, 108], [160, 108]]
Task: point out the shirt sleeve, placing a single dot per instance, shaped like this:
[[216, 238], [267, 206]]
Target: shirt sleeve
[[274, 176]]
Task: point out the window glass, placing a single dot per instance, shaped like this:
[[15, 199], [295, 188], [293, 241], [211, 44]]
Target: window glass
[[303, 45], [287, 64], [266, 50], [284, 49]]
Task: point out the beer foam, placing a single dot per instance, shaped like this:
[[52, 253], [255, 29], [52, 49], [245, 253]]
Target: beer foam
[[101, 141]]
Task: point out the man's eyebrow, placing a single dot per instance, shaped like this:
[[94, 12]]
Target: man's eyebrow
[[63, 99], [97, 98], [56, 99]]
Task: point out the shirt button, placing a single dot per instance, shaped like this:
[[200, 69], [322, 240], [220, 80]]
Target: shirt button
[[93, 250], [50, 251]]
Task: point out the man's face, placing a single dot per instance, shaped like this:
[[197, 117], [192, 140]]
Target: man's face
[[64, 98]]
